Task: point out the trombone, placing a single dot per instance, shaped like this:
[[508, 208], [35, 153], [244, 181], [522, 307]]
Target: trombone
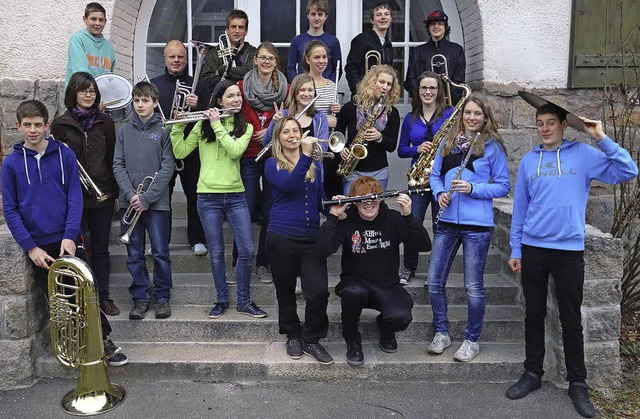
[[375, 55], [189, 117], [131, 216], [88, 183], [437, 61]]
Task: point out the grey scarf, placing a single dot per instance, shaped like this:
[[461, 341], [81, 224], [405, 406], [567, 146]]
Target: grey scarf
[[262, 97]]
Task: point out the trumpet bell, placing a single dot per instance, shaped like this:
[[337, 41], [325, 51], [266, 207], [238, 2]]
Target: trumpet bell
[[337, 142]]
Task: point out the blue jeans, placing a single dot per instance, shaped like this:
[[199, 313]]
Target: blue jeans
[[475, 247], [419, 204], [257, 199], [213, 207], [381, 176], [156, 223]]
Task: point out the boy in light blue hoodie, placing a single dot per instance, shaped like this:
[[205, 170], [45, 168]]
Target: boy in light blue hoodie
[[89, 50], [547, 237]]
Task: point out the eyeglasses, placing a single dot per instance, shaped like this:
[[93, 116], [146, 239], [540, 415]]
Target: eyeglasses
[[428, 88], [264, 59], [87, 92]]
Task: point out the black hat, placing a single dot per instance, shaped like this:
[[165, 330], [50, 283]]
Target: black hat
[[435, 16], [537, 101]]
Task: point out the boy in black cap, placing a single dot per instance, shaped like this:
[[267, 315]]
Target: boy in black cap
[[437, 23]]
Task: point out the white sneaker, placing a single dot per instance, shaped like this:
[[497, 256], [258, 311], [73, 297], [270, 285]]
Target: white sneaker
[[264, 275], [298, 286], [468, 350], [439, 343], [199, 249]]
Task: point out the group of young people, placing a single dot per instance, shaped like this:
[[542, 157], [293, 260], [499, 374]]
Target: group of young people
[[253, 106]]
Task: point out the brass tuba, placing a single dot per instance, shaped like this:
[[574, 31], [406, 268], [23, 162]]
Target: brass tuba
[[76, 337], [419, 173]]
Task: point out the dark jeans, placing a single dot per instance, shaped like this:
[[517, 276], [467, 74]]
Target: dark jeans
[[97, 222], [257, 199], [392, 301], [297, 256], [42, 282], [156, 223], [567, 269], [189, 181], [419, 204]]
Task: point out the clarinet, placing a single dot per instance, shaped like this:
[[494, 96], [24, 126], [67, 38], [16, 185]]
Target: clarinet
[[364, 198], [451, 191]]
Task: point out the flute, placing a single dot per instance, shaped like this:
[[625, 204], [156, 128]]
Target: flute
[[371, 197]]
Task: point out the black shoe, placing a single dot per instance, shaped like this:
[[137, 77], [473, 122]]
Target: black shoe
[[529, 382], [139, 310], [294, 348], [579, 393], [317, 351], [113, 354], [109, 308], [163, 310], [389, 345], [355, 357]]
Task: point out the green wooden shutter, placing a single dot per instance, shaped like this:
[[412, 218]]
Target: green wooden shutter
[[605, 37]]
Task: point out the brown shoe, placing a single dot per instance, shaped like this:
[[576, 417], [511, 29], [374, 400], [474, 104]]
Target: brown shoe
[[163, 310], [109, 308]]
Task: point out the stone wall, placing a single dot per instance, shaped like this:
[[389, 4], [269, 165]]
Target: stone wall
[[600, 307]]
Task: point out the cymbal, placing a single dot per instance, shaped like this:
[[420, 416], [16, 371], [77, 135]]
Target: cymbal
[[537, 101]]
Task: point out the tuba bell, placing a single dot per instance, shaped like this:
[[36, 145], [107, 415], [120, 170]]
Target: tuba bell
[[76, 337]]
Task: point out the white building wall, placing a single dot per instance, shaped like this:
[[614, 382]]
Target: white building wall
[[523, 41]]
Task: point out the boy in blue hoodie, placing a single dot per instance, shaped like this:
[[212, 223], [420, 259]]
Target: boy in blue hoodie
[[42, 201], [89, 50], [142, 151], [547, 238]]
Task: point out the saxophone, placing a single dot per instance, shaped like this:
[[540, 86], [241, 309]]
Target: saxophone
[[358, 146], [419, 173]]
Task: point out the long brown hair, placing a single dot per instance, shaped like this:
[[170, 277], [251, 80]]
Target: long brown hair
[[276, 150], [297, 83], [274, 51], [416, 102], [488, 131]]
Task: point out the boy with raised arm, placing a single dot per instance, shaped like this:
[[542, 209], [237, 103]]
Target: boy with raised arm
[[547, 237]]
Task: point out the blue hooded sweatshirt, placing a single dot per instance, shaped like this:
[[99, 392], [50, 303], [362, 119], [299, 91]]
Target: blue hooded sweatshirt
[[488, 175], [42, 197], [552, 187]]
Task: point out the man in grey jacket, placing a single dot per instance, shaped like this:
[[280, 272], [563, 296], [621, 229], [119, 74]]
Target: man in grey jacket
[[143, 164]]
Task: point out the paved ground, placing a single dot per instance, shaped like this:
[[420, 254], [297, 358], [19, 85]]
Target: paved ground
[[180, 399]]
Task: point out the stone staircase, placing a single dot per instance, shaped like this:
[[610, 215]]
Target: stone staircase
[[190, 346]]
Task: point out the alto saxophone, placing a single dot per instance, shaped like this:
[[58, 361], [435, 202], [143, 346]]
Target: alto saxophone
[[419, 173], [358, 147]]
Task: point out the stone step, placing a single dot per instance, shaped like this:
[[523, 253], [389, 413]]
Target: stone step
[[190, 323], [183, 260], [251, 362], [197, 288]]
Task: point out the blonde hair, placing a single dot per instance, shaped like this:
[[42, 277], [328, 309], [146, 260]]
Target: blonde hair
[[297, 83], [270, 48], [489, 128], [276, 150], [365, 97]]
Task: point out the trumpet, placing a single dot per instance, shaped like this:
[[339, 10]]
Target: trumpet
[[225, 49], [371, 197], [336, 141], [88, 183], [437, 61], [131, 216], [189, 117], [375, 55]]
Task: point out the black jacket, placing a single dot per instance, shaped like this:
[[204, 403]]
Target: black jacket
[[377, 152], [94, 150], [360, 45], [420, 61], [371, 249]]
